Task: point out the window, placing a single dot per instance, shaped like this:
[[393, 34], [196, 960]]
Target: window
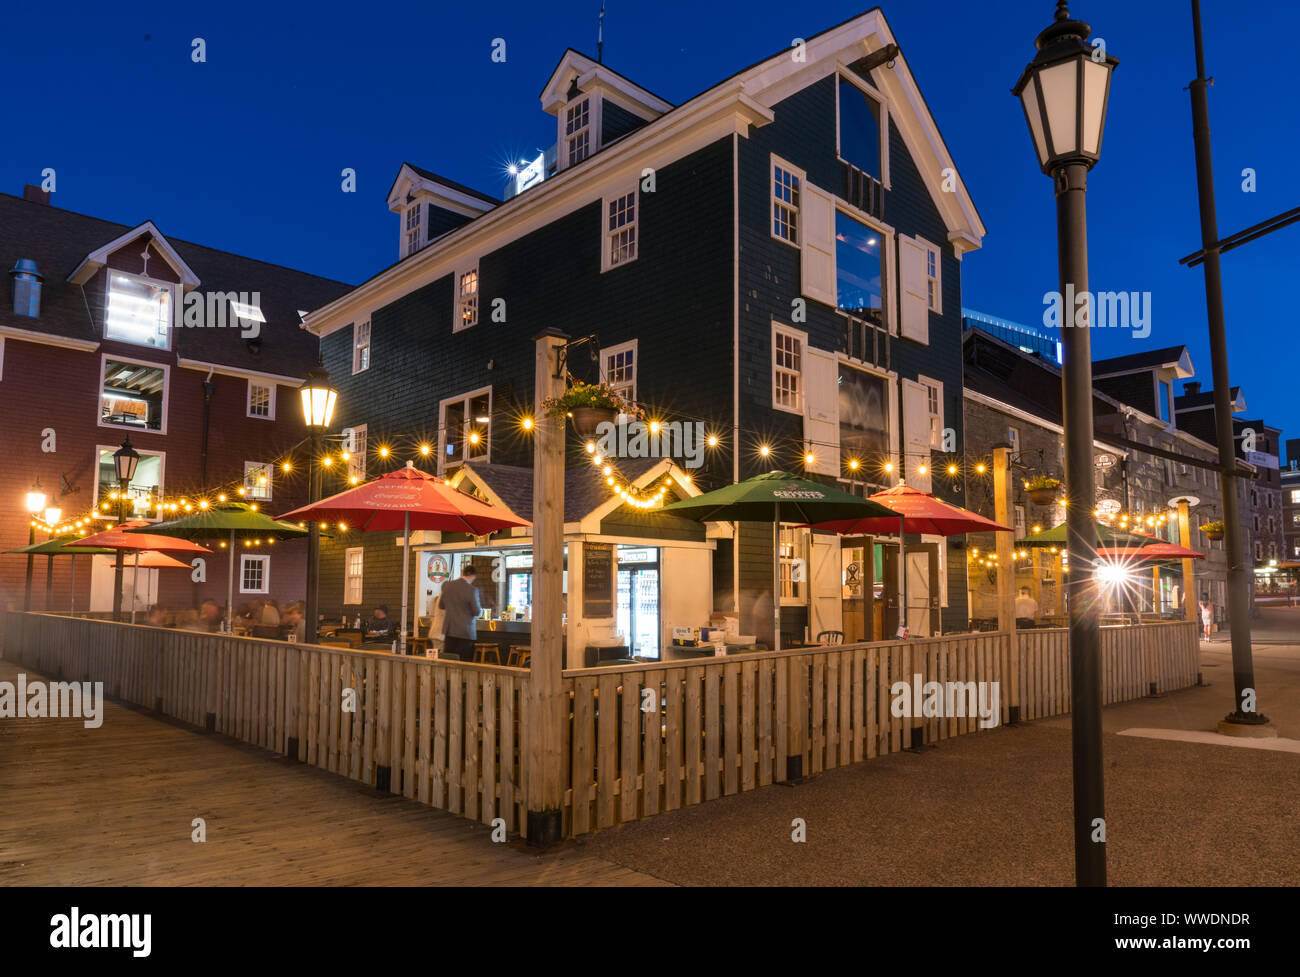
[[860, 127], [257, 481], [355, 446], [245, 313], [620, 230], [254, 574], [934, 293], [1272, 527], [466, 428], [1295, 496], [139, 310], [133, 395], [787, 369], [577, 131], [794, 565], [466, 299], [618, 369], [1013, 438], [859, 288], [261, 400], [934, 407], [1163, 395], [786, 182], [1259, 550], [361, 347], [1020, 522], [413, 228], [143, 492], [354, 558]]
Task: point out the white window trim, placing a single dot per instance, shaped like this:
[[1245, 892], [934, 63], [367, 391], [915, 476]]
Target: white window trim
[[779, 328], [456, 323], [167, 388], [263, 559], [879, 96], [594, 117], [790, 168], [418, 209], [356, 347], [172, 287], [611, 351], [162, 476], [269, 468], [888, 270], [802, 548], [358, 449], [606, 235], [937, 278], [348, 578], [442, 428], [248, 400], [925, 381]]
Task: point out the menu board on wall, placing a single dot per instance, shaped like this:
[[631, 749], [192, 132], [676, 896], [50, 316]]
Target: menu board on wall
[[598, 580]]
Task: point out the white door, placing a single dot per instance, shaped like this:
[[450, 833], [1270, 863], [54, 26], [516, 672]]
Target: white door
[[827, 609], [916, 434], [140, 586], [918, 594]]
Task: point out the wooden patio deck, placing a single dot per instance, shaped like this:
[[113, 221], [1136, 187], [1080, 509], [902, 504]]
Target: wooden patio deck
[[114, 805]]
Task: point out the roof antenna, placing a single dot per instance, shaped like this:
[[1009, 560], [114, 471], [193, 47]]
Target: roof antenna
[[600, 35]]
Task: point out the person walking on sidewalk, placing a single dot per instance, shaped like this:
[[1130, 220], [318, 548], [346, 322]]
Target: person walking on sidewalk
[[1207, 616]]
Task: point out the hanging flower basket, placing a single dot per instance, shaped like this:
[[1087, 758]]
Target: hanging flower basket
[[588, 405], [1213, 530], [1043, 490]]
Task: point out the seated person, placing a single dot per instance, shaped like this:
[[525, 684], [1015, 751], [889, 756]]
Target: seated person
[[156, 618], [294, 620], [270, 615], [210, 617], [1026, 609], [380, 627]]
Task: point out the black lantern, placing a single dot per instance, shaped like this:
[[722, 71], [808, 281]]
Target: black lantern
[[318, 399], [1064, 92], [125, 459]]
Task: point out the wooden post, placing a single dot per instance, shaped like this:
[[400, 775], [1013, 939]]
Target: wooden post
[[1006, 543], [547, 712], [1191, 610]]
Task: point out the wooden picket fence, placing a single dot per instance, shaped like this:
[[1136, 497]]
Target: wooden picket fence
[[640, 739]]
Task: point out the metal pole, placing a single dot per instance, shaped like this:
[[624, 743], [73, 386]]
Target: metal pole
[[135, 583], [119, 561], [313, 541], [72, 589], [230, 586], [406, 572], [49, 580], [1243, 667], [27, 594], [776, 575], [1076, 398]]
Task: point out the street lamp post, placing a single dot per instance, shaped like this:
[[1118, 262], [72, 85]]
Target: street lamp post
[[35, 503], [1063, 92], [318, 401], [52, 516], [125, 459]]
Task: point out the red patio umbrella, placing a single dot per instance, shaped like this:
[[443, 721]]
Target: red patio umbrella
[[918, 512], [119, 539], [407, 499], [1155, 550]]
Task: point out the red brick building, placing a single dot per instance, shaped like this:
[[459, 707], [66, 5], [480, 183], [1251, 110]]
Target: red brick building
[[111, 332]]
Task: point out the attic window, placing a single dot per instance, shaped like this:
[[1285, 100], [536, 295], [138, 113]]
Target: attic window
[[138, 311], [577, 131], [413, 229]]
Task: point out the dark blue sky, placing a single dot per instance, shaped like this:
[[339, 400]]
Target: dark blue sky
[[244, 152]]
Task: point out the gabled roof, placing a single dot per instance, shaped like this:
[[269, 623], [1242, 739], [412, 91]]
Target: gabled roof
[[442, 191], [1175, 358], [1205, 398], [590, 74], [96, 260]]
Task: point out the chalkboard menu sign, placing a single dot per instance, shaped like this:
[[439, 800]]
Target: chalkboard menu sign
[[598, 580]]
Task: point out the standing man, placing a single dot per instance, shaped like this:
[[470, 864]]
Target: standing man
[[1026, 609], [460, 605]]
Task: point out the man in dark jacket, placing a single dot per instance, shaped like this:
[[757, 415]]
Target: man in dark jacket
[[380, 626], [460, 605]]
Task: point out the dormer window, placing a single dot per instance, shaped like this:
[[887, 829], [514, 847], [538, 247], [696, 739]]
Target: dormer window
[[413, 229], [139, 310], [466, 299], [577, 131]]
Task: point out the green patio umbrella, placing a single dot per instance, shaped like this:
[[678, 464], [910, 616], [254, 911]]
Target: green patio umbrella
[[229, 521], [777, 497], [1106, 536], [64, 546]]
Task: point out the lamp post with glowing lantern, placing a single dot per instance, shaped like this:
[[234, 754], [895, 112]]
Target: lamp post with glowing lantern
[[1063, 92], [318, 402], [52, 516], [125, 459], [35, 503]]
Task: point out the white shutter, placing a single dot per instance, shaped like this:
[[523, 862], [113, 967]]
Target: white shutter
[[913, 290], [817, 214], [826, 612], [916, 434], [822, 409]]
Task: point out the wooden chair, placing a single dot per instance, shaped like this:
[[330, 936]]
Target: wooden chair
[[519, 656], [830, 638], [483, 651]]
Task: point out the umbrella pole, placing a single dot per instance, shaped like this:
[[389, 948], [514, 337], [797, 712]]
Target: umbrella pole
[[72, 589], [776, 575], [230, 586], [902, 573], [135, 582], [406, 571]]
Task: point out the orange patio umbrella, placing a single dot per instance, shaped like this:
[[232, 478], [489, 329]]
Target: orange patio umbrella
[[119, 539], [1157, 549]]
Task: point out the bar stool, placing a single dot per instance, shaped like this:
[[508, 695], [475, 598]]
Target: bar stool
[[519, 656], [482, 650]]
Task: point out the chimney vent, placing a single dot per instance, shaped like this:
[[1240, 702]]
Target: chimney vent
[[35, 194], [27, 288], [1191, 387]]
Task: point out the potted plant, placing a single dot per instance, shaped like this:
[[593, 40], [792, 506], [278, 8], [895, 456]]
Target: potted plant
[[1214, 530], [1042, 489], [589, 405]]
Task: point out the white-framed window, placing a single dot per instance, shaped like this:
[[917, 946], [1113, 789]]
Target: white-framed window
[[465, 429], [261, 400], [934, 408], [1013, 439], [413, 228], [1020, 522], [257, 480], [618, 369], [133, 394], [138, 310], [354, 561], [254, 573], [862, 126], [787, 368], [620, 230], [577, 131], [361, 347], [787, 187], [355, 445], [794, 565], [933, 276], [144, 490], [243, 313], [466, 299]]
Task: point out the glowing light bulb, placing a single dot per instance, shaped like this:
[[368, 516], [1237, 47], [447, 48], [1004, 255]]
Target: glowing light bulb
[[527, 423], [980, 468], [713, 441], [952, 469], [764, 450], [809, 458], [424, 449]]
